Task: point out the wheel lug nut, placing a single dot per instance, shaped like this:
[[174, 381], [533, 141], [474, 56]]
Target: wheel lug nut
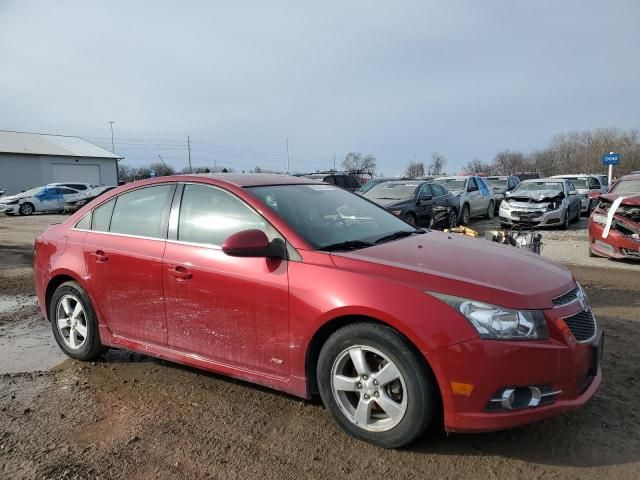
[[359, 385], [376, 394], [364, 377], [366, 396], [375, 382]]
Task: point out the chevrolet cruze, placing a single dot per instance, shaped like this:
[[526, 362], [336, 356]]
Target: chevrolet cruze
[[304, 287]]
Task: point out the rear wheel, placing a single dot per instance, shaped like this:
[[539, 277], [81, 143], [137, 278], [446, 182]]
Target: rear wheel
[[26, 209], [375, 385], [74, 322]]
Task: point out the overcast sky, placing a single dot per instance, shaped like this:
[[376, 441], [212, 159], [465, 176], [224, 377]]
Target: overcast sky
[[395, 79]]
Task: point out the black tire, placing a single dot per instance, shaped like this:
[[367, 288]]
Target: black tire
[[491, 210], [92, 348], [453, 218], [465, 217], [422, 395], [576, 217], [411, 219], [565, 223], [26, 209]]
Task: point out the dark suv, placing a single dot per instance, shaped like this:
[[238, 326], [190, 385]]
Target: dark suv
[[344, 180]]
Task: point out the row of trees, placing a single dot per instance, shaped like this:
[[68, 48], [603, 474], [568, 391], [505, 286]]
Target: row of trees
[[573, 152]]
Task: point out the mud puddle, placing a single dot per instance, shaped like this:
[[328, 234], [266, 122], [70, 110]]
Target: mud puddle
[[26, 340]]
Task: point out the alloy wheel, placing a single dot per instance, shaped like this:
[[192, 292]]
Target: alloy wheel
[[72, 321], [369, 388]]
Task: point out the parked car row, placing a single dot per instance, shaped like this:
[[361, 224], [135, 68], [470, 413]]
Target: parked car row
[[52, 197]]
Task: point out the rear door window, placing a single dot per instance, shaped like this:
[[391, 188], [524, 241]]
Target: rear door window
[[140, 211], [102, 216]]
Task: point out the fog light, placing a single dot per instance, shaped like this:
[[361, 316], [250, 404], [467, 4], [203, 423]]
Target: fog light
[[605, 246], [515, 398]]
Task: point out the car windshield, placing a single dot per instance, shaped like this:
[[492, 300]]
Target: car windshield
[[370, 184], [32, 191], [538, 187], [626, 186], [497, 182], [579, 182], [451, 183], [327, 216], [392, 191]]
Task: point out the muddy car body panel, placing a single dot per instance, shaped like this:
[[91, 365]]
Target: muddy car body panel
[[621, 240], [265, 319]]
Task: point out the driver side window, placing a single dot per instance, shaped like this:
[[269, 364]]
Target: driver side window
[[472, 185], [208, 215]]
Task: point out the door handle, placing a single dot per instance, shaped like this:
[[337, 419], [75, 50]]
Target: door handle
[[99, 256], [180, 273]]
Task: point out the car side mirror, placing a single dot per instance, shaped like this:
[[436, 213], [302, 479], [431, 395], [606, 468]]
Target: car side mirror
[[473, 189], [253, 243], [424, 198]]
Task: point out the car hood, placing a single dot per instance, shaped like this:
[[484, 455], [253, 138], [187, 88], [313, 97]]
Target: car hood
[[390, 203], [10, 198], [467, 267], [629, 198], [535, 196]]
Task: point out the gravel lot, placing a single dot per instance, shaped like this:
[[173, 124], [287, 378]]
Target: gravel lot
[[135, 417]]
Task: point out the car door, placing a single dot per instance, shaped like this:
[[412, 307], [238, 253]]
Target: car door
[[424, 205], [230, 310], [65, 194], [486, 195], [123, 253], [474, 198], [442, 205], [574, 199]]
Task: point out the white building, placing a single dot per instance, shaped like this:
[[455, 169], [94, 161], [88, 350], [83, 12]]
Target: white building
[[30, 160]]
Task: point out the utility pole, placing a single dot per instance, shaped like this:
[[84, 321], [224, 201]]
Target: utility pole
[[334, 162], [113, 150], [189, 151], [288, 158]]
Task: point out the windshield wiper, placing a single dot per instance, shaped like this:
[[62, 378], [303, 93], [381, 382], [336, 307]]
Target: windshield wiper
[[347, 245], [399, 234]]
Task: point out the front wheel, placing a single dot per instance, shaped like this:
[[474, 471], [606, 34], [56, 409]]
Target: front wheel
[[491, 210], [26, 209], [466, 215], [74, 322], [375, 385], [453, 218], [411, 219]]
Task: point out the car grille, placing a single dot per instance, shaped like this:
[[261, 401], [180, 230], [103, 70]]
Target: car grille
[[630, 253], [568, 297], [527, 214], [582, 325]]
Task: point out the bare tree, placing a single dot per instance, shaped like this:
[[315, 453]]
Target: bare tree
[[438, 162], [356, 162], [162, 169], [415, 170], [477, 166]]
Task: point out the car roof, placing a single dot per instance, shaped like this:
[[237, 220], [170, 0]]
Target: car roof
[[498, 177], [546, 179], [455, 177], [235, 179], [406, 182], [569, 177], [630, 176]]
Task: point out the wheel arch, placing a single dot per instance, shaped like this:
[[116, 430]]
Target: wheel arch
[[323, 333], [52, 286]]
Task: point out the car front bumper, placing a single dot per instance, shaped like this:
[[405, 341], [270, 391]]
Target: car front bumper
[[538, 217], [617, 244], [568, 371], [10, 209]]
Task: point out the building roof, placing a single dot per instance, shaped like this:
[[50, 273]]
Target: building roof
[[43, 144]]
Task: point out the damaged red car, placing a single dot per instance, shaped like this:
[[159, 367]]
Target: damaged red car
[[307, 288], [614, 226]]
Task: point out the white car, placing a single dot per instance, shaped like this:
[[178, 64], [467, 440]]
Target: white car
[[49, 198], [586, 186], [474, 194]]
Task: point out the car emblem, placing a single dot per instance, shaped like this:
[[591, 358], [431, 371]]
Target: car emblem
[[582, 298]]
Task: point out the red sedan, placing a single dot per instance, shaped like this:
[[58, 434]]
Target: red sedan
[[307, 288]]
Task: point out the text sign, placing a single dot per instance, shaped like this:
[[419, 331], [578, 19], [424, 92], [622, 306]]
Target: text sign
[[611, 159]]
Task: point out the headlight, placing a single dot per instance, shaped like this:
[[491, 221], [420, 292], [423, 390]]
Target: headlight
[[12, 202], [499, 323], [554, 205], [599, 218], [506, 205]]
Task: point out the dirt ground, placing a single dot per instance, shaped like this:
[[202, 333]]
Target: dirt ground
[[130, 416]]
